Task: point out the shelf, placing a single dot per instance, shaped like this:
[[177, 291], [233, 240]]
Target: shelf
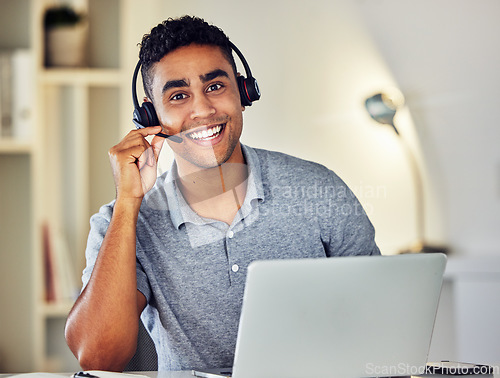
[[88, 76], [12, 146], [56, 309], [58, 173]]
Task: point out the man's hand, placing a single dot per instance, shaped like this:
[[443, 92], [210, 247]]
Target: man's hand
[[134, 161]]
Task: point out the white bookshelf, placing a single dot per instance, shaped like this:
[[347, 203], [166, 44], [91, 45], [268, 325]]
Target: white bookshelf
[[79, 111], [60, 175]]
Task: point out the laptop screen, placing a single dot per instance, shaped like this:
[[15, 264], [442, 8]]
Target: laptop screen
[[339, 317]]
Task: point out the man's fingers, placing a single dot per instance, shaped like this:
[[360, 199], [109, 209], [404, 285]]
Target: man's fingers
[[146, 158], [135, 143], [130, 150], [151, 130], [157, 144], [133, 162]]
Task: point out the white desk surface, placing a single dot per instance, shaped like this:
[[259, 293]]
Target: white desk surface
[[182, 374], [186, 374]]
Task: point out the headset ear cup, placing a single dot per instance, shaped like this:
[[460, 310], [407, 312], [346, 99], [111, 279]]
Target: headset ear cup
[[249, 90], [245, 101], [137, 118], [148, 114], [252, 89]]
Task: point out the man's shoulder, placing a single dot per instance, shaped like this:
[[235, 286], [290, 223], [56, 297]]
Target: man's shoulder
[[282, 164], [104, 214]]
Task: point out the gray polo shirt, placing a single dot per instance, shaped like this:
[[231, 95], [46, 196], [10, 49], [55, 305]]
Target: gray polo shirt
[[192, 270]]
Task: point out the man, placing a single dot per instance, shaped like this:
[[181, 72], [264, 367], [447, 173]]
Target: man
[[175, 250]]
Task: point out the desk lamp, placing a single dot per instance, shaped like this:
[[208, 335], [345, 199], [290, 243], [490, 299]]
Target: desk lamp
[[382, 108]]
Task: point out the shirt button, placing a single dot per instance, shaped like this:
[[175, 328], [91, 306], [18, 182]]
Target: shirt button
[[235, 268], [230, 234]]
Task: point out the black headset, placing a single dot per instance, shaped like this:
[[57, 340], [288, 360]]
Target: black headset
[[145, 115]]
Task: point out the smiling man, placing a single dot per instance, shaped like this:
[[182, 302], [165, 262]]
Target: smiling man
[[174, 250]]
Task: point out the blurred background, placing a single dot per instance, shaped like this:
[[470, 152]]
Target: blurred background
[[316, 63]]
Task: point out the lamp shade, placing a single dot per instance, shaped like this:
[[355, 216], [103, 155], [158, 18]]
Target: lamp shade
[[382, 108]]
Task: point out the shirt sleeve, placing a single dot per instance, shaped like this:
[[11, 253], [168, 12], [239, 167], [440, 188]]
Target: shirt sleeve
[[99, 224], [350, 231], [143, 281]]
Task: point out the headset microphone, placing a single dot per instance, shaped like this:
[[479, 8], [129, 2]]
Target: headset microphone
[[145, 114]]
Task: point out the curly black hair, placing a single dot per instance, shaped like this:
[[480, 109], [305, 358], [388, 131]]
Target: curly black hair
[[174, 33]]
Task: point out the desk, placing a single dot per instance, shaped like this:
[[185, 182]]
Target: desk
[[462, 332], [187, 374]]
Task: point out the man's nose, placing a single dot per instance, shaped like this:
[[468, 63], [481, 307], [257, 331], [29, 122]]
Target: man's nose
[[202, 107]]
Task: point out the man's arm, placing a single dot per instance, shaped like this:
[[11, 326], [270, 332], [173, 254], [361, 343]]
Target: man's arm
[[102, 326]]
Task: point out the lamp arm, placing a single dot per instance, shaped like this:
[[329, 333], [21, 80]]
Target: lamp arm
[[419, 190]]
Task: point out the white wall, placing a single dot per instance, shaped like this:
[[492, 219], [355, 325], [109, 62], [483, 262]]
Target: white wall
[[445, 57], [317, 61]]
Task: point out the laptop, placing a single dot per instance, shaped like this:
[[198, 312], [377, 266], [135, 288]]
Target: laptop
[[343, 317]]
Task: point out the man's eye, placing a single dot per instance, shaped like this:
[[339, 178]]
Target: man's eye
[[214, 87], [178, 96]]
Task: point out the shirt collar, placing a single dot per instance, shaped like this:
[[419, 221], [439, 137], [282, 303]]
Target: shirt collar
[[181, 212]]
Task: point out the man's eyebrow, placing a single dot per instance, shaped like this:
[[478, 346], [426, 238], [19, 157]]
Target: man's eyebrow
[[174, 84], [181, 83], [213, 74]]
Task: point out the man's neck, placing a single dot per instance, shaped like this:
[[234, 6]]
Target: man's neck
[[217, 192], [209, 183]]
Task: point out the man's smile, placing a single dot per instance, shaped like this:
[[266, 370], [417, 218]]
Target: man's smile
[[206, 133]]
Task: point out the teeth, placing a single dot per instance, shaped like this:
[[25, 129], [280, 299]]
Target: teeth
[[206, 134]]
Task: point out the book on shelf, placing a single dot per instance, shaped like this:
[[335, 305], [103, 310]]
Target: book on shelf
[[16, 93], [6, 94], [59, 272]]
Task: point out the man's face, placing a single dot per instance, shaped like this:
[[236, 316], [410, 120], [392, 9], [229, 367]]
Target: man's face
[[196, 96]]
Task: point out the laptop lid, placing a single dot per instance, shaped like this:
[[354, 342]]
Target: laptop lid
[[338, 317]]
